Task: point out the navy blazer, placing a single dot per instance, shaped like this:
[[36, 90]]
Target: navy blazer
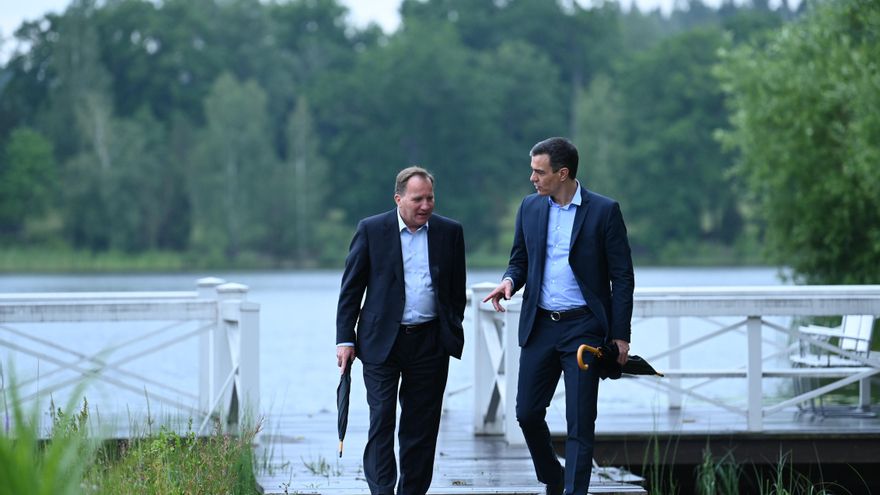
[[375, 265], [600, 259]]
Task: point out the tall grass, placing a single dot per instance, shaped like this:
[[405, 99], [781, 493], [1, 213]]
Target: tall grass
[[718, 477], [785, 480], [725, 475], [72, 460], [30, 466], [168, 463], [657, 467]]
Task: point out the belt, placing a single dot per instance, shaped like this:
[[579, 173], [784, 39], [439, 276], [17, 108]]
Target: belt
[[564, 315], [417, 327]]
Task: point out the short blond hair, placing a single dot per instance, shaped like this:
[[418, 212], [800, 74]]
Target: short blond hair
[[408, 173]]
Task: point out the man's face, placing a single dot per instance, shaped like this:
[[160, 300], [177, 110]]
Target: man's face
[[546, 181], [417, 202]]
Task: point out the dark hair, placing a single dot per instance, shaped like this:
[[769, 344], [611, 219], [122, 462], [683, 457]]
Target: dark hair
[[561, 152], [408, 173]]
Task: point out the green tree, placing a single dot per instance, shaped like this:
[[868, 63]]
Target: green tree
[[806, 126], [676, 189], [231, 168], [418, 100], [427, 99], [28, 180], [599, 135], [299, 191]]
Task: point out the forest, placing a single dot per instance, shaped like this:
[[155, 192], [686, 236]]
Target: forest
[[248, 133]]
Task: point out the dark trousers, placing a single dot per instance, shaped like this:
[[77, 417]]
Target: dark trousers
[[551, 350], [419, 366]]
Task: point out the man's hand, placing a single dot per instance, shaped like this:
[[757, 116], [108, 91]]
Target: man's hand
[[505, 290], [623, 347], [344, 357]]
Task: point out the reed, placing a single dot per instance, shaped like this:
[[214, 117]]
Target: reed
[[74, 460]]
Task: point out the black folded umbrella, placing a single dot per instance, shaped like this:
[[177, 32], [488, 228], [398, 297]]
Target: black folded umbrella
[[342, 394], [606, 359]]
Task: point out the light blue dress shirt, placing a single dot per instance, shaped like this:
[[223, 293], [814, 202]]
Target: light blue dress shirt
[[559, 289], [420, 305]]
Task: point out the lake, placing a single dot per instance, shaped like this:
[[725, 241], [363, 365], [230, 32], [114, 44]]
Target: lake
[[298, 361]]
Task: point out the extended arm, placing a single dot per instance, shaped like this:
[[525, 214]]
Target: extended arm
[[517, 268], [354, 283]]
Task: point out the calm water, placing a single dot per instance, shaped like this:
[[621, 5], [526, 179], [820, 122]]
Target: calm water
[[298, 363]]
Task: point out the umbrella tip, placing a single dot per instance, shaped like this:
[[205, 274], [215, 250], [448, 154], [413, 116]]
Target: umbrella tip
[[340, 448]]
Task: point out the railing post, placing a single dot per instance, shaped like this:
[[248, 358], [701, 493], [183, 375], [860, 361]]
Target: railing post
[[484, 374], [674, 327], [207, 289], [226, 348], [754, 375], [249, 363], [510, 341], [865, 395]]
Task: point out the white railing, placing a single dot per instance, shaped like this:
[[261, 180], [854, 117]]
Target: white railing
[[226, 324], [752, 309]]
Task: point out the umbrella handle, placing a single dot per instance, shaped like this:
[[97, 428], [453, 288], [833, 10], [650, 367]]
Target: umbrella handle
[[584, 347], [581, 363], [340, 448]]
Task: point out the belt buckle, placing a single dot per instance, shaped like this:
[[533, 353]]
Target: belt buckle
[[555, 315]]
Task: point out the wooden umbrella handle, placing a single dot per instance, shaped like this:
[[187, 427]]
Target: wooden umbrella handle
[[584, 347]]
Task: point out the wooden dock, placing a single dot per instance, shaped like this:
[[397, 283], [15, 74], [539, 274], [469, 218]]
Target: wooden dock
[[840, 437], [298, 454], [842, 446]]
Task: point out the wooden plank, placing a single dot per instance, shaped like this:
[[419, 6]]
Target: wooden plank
[[126, 310], [298, 455], [831, 372]]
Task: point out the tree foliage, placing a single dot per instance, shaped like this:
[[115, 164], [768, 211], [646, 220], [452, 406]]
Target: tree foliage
[[240, 129], [806, 127], [28, 180]]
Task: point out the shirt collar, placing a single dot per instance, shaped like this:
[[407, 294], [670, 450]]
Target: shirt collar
[[402, 225], [575, 200]]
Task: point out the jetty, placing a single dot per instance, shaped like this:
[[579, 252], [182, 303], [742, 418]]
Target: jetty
[[735, 404]]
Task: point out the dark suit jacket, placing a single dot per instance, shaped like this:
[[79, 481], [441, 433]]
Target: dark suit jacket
[[600, 259], [375, 265]]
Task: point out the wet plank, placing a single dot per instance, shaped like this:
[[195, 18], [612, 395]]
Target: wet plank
[[298, 454]]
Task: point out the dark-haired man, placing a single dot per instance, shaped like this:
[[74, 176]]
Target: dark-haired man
[[570, 246]]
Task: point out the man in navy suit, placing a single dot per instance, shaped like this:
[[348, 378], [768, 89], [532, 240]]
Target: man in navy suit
[[413, 273], [570, 248]]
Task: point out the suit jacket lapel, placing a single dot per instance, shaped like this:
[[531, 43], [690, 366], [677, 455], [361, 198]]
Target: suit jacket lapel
[[435, 243], [579, 217], [392, 233], [543, 217]]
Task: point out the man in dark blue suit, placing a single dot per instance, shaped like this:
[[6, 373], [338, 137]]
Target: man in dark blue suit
[[413, 273], [570, 247]]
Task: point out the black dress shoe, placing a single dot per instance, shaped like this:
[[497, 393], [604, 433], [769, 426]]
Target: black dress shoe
[[557, 489]]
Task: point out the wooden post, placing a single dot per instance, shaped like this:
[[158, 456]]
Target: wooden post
[[484, 374], [754, 375], [226, 348], [249, 364], [510, 341], [674, 327], [207, 289]]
